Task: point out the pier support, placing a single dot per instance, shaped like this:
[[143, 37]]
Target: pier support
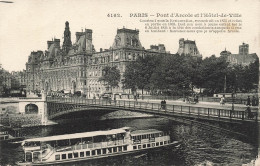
[[45, 112]]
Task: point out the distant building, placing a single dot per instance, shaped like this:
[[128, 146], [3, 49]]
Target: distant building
[[19, 79], [243, 57], [188, 47], [77, 67], [160, 48], [7, 79]]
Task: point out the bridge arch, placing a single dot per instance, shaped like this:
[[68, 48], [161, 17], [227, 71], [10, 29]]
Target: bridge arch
[[31, 109], [56, 110]]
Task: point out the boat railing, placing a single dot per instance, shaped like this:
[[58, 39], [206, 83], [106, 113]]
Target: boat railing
[[63, 148], [98, 145], [103, 144], [77, 147], [162, 138], [92, 145], [151, 139], [145, 140], [110, 143]]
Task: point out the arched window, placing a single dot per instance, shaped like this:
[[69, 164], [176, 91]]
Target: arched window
[[31, 109]]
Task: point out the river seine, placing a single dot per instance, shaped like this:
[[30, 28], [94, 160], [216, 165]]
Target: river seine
[[198, 145]]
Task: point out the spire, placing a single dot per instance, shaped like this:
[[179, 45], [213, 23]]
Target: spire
[[67, 38]]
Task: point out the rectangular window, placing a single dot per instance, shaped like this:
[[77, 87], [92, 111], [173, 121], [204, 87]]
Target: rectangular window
[[81, 154], [87, 153], [157, 143], [144, 145], [99, 152], [153, 144], [120, 149], [161, 143], [76, 154], [93, 152], [57, 157], [114, 149], [148, 145], [70, 155], [125, 148], [139, 146], [64, 156], [134, 147], [109, 150], [104, 151], [165, 142]]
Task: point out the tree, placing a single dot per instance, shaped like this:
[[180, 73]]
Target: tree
[[110, 77], [1, 75], [252, 75], [138, 73], [176, 72], [213, 71]]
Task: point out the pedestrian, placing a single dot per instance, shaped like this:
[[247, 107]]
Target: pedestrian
[[248, 112], [196, 98], [248, 103], [164, 103], [115, 99], [253, 101], [221, 100]]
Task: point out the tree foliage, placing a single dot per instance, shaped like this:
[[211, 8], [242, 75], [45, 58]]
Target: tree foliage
[[138, 73], [170, 74], [110, 77]]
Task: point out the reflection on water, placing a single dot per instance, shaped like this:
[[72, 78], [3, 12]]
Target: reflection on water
[[198, 146]]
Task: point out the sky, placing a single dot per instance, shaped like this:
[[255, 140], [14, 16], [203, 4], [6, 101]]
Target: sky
[[27, 25]]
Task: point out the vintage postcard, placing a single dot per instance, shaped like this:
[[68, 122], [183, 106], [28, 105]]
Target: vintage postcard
[[112, 82]]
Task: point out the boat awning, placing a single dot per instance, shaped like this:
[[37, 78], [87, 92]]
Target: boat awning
[[77, 135]]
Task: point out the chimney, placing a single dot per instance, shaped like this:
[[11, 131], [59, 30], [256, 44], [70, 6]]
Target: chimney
[[49, 43], [57, 43]]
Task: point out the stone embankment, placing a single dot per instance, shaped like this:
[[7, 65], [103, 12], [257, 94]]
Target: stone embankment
[[20, 120]]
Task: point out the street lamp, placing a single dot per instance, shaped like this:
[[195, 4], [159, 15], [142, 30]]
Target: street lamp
[[183, 92], [89, 92], [232, 100]]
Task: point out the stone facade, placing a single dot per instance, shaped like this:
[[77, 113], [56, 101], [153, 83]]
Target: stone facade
[[77, 67], [243, 57], [188, 47]]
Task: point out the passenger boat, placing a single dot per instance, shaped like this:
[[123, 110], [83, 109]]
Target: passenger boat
[[91, 145], [7, 137]]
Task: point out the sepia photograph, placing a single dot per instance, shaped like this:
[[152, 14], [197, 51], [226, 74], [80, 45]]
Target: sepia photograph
[[108, 82]]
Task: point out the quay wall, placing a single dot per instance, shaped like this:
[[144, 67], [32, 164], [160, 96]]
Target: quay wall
[[21, 120]]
